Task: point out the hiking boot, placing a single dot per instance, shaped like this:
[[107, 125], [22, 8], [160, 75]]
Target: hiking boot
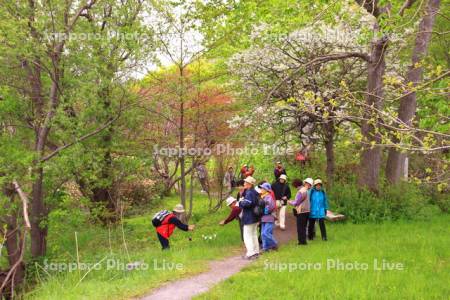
[[303, 244], [324, 238]]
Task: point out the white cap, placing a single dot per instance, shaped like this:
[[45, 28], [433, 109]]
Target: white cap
[[250, 180], [283, 177], [230, 200], [309, 180], [317, 181]]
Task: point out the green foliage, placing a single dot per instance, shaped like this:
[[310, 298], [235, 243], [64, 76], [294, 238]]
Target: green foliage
[[403, 201]]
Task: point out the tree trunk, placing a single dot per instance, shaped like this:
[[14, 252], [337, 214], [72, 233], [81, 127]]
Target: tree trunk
[[181, 141], [38, 214], [14, 244], [102, 194], [329, 149], [408, 103], [371, 153], [191, 195], [14, 247]]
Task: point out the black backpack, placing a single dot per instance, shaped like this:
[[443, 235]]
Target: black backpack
[[159, 217], [258, 209]]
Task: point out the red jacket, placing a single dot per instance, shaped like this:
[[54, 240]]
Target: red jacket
[[166, 229]]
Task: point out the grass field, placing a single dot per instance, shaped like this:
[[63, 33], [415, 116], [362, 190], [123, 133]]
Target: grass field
[[423, 248], [115, 281]]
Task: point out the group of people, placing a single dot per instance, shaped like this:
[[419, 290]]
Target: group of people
[[309, 205], [259, 207]]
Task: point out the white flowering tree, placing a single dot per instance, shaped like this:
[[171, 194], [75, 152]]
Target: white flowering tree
[[315, 75], [301, 79]]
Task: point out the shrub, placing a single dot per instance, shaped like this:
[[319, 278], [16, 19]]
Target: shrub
[[403, 201]]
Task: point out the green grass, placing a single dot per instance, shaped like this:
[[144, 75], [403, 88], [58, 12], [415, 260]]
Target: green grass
[[142, 245], [422, 247]]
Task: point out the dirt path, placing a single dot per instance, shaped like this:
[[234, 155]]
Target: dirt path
[[219, 270]]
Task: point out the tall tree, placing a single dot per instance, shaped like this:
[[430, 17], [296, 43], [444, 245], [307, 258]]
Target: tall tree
[[45, 73], [408, 103]]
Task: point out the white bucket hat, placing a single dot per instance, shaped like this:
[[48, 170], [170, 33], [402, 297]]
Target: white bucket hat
[[317, 181], [179, 208], [250, 180], [230, 200], [309, 180], [283, 177]]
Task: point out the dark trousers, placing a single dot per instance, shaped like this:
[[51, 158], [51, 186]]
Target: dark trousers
[[259, 234], [310, 232], [164, 242], [241, 228], [302, 220], [323, 230]]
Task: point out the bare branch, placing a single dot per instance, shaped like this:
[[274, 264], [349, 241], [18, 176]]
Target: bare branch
[[24, 199], [82, 138], [407, 4]]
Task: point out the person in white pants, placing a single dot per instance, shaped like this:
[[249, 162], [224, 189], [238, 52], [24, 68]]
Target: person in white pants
[[282, 194], [249, 218], [251, 240], [282, 216]]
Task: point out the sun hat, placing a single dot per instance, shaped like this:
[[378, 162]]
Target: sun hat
[[266, 186], [283, 176], [230, 200], [179, 208], [279, 162], [309, 180], [317, 181], [250, 180]]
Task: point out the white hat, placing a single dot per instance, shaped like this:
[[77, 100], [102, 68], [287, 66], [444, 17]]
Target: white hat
[[317, 181], [258, 189], [309, 180], [179, 208], [283, 176], [230, 200], [250, 180]]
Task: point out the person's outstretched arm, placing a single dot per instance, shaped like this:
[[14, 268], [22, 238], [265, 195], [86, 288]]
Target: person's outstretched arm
[[298, 199], [175, 221], [235, 211]]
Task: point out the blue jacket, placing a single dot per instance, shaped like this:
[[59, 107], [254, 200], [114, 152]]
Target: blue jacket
[[319, 203], [247, 204]]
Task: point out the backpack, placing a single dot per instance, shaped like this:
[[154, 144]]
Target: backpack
[[258, 209], [159, 217]]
